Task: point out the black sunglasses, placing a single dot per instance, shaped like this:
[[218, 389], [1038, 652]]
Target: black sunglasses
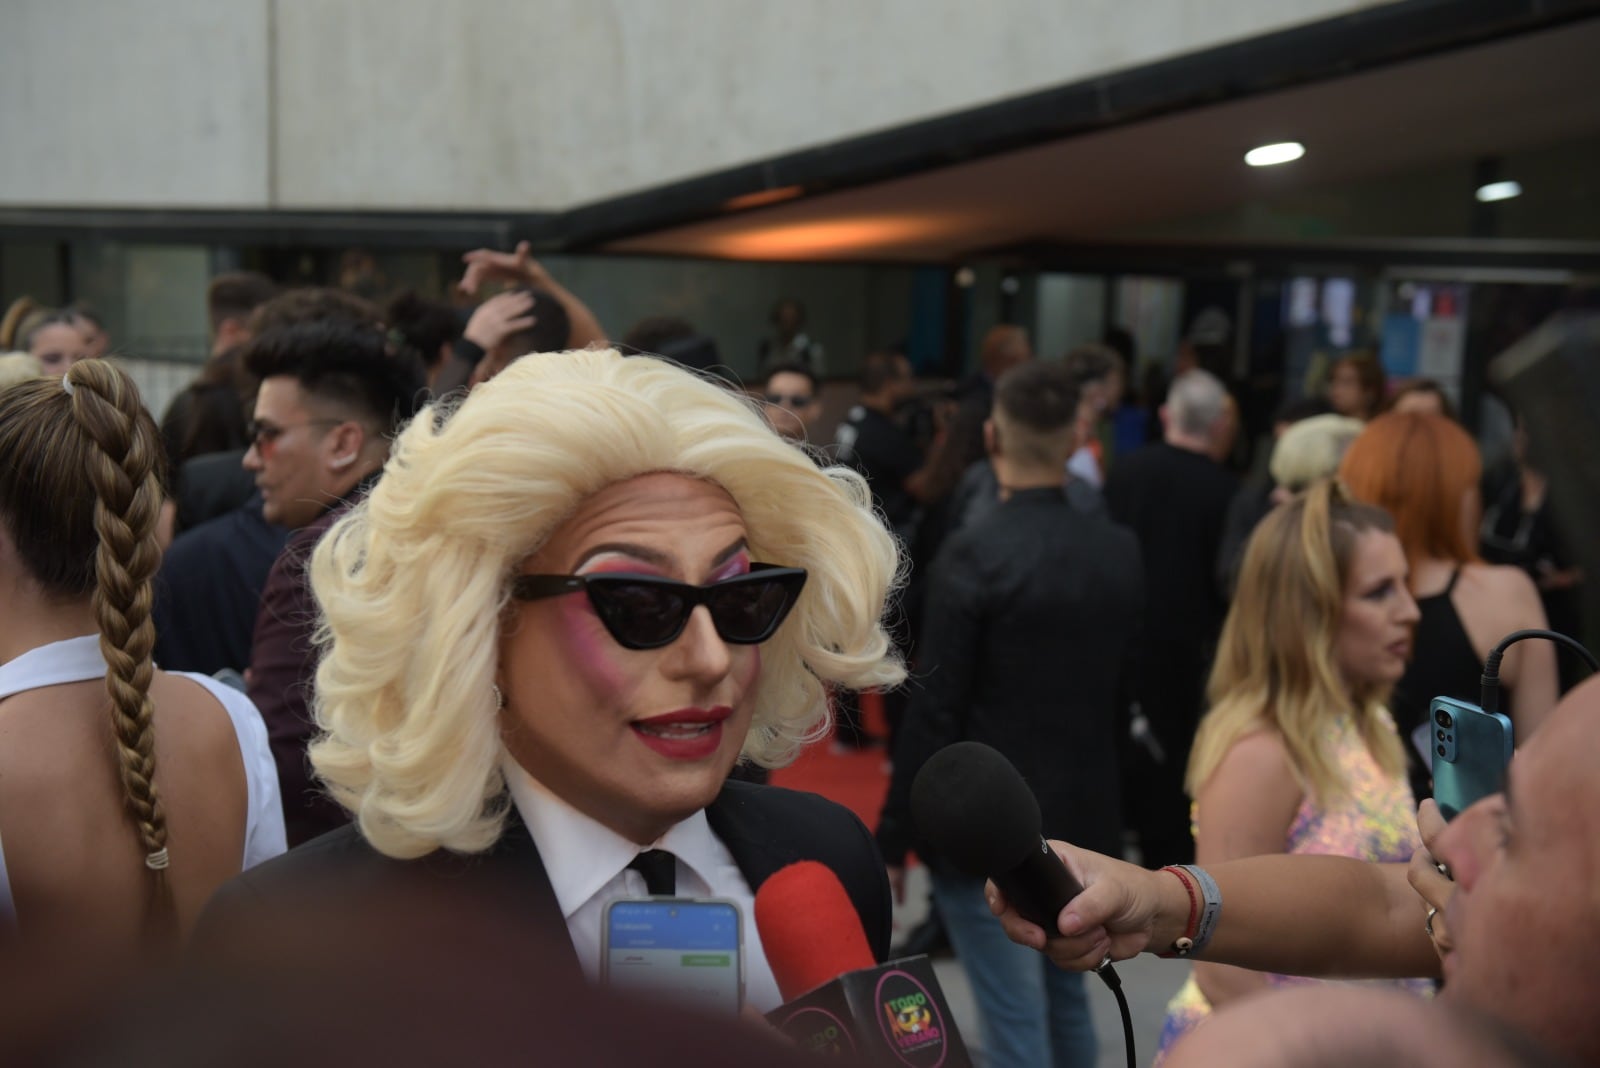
[[792, 400], [648, 611]]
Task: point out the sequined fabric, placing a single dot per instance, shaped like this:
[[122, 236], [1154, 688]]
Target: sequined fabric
[[1374, 821]]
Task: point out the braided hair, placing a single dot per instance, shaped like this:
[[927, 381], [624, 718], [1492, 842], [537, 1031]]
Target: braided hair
[[79, 497]]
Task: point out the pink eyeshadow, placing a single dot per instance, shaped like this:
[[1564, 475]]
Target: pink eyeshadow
[[739, 565]]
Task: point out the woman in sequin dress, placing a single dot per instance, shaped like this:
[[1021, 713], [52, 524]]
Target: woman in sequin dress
[[1298, 753]]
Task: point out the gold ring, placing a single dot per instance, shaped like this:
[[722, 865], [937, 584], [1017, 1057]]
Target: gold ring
[[1432, 912]]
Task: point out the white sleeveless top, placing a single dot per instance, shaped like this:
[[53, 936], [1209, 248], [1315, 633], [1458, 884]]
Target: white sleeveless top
[[79, 660]]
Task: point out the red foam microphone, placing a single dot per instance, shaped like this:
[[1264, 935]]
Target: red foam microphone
[[838, 1001], [809, 928]]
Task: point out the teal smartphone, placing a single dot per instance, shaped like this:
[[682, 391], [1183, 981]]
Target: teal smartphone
[[1471, 750]]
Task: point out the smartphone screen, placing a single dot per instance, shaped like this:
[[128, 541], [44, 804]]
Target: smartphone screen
[[687, 949]]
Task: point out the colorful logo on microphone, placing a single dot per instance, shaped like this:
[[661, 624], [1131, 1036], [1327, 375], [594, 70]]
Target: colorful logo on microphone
[[912, 1024], [818, 1031]]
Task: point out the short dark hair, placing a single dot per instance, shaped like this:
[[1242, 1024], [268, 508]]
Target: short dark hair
[[1038, 395], [676, 340], [349, 364], [879, 369], [552, 327], [793, 368], [648, 336], [1427, 386], [311, 304], [427, 325], [235, 294], [1091, 363], [1122, 339]]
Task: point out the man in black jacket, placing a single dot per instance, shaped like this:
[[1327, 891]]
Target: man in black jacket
[[1174, 494], [1032, 610]]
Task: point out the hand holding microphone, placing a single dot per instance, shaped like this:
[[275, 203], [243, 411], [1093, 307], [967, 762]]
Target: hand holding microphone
[[970, 803], [1115, 917]]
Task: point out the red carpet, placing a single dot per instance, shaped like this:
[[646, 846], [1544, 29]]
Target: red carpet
[[856, 778]]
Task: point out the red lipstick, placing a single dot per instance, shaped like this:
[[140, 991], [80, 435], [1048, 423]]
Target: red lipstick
[[686, 734]]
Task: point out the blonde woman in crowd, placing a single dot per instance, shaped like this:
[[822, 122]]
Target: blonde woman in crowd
[[1298, 753]]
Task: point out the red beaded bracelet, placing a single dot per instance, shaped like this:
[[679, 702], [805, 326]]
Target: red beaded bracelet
[[1185, 943]]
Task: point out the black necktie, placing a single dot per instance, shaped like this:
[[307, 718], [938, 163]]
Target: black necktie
[[660, 871]]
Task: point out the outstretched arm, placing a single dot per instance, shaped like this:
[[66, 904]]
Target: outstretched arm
[[1330, 917]]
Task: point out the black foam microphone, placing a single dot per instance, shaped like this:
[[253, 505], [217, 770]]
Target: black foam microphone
[[973, 806], [970, 803]]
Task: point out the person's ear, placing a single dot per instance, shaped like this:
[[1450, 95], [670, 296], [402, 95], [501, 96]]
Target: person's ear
[[342, 447], [991, 438]]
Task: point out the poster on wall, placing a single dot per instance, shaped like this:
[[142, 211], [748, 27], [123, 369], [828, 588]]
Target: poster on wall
[[1440, 352], [1401, 344]]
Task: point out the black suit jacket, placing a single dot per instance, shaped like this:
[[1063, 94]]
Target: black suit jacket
[[209, 590], [764, 827], [210, 485], [1032, 610], [1176, 502]]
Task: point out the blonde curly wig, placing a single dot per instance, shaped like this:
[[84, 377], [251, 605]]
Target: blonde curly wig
[[412, 582]]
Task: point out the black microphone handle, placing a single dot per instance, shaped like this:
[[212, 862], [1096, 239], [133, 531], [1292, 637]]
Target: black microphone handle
[[1039, 888]]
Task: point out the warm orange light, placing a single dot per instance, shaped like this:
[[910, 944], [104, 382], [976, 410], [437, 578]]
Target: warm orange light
[[819, 239], [762, 197]]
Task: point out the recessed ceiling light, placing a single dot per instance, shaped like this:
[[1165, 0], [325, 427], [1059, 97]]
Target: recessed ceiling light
[[1499, 191], [1271, 155]]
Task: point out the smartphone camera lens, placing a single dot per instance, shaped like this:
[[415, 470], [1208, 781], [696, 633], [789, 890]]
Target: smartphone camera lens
[[1442, 718], [1440, 734], [1441, 750]]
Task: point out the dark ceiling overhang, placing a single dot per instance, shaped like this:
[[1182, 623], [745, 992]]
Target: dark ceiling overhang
[[866, 182]]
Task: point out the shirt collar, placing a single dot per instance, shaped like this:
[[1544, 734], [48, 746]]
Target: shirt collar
[[1038, 493], [581, 855]]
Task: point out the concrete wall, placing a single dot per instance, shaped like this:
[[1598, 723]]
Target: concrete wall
[[155, 103], [515, 104]]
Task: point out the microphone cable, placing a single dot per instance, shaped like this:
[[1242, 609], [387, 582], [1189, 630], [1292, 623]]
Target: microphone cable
[[1490, 696], [1109, 976]]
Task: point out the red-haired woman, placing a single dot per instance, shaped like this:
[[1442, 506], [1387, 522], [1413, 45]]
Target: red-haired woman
[[1424, 469]]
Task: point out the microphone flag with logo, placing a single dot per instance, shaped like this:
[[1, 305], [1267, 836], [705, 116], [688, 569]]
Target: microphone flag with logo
[[837, 1000]]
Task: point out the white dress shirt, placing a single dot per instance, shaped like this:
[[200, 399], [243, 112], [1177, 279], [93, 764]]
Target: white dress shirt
[[587, 863]]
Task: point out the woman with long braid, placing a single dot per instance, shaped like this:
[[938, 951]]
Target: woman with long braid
[[127, 794]]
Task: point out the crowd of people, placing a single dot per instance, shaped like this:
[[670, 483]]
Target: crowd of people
[[413, 597]]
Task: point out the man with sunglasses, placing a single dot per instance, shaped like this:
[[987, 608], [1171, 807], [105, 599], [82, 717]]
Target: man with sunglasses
[[209, 587], [333, 392], [793, 399]]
